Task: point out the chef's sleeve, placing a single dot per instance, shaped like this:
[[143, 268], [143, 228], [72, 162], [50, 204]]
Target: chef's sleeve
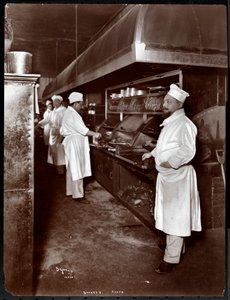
[[187, 147]]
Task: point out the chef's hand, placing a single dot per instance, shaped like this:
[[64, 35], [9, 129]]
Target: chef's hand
[[146, 155], [37, 126], [97, 135], [60, 138], [166, 164]]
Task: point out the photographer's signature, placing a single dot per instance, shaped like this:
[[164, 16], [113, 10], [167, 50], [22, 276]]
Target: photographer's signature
[[67, 273]]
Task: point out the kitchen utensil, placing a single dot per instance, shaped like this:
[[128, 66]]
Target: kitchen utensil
[[220, 155]]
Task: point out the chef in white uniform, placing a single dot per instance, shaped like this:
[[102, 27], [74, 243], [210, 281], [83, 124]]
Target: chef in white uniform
[[177, 202], [56, 154], [46, 127], [76, 145]]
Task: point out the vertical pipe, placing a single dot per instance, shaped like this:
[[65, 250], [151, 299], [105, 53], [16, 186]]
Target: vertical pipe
[[36, 105], [180, 79], [106, 104], [76, 28], [76, 36], [56, 57], [217, 89]]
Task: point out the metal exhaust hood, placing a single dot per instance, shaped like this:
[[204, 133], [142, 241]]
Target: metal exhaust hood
[[186, 35]]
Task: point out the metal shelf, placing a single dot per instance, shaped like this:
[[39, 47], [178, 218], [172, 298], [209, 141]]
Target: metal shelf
[[135, 113], [155, 86]]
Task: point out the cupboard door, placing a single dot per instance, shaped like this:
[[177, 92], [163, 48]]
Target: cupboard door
[[103, 169]]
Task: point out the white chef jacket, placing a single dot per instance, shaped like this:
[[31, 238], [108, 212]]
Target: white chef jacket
[[76, 144], [46, 127], [56, 153], [177, 207]]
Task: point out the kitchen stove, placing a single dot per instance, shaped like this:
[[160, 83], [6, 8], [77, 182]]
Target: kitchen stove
[[127, 139]]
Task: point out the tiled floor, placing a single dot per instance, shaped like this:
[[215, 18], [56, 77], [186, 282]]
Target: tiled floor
[[102, 249]]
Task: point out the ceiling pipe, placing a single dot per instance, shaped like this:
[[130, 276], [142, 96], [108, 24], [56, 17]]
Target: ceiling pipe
[[76, 29]]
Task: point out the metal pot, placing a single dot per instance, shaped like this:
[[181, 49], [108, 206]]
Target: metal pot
[[19, 62], [140, 92], [123, 92], [133, 91]]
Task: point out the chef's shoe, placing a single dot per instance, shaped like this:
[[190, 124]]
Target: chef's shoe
[[81, 200], [164, 267]]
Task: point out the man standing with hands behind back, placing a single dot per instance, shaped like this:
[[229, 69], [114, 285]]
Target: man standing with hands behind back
[[56, 155], [177, 203], [76, 145]]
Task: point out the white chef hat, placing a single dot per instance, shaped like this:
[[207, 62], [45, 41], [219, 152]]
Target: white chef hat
[[177, 93], [75, 97], [48, 102], [57, 97]]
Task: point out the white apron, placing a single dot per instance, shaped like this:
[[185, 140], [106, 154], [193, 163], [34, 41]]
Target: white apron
[[76, 144], [56, 154], [177, 207], [46, 128]]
